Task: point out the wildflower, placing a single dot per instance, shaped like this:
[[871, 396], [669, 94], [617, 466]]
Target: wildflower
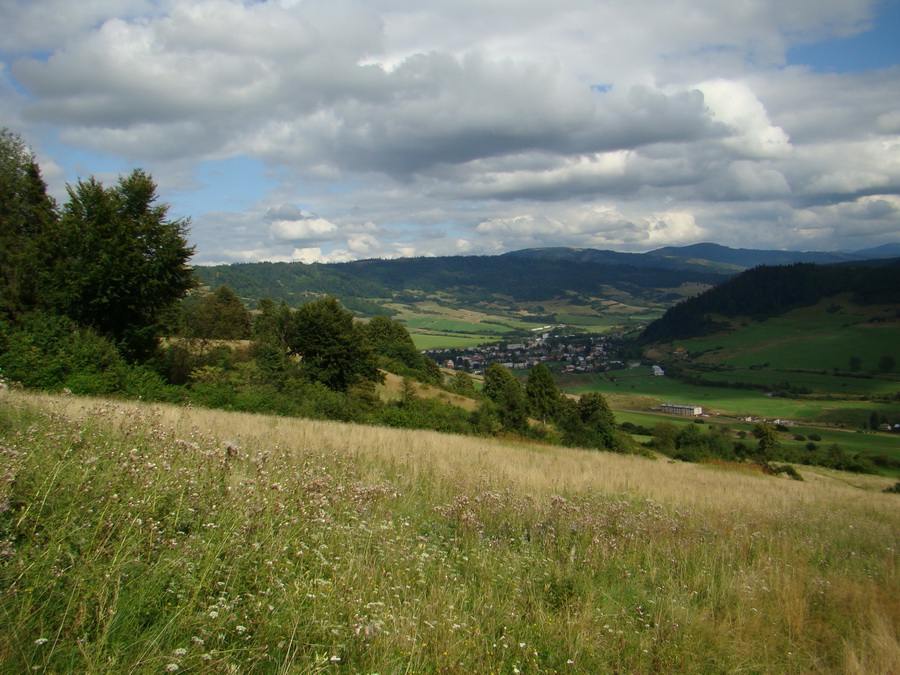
[[241, 629], [172, 668], [335, 659], [41, 641], [181, 651]]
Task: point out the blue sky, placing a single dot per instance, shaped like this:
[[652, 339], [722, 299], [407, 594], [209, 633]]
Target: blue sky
[[877, 46], [344, 129]]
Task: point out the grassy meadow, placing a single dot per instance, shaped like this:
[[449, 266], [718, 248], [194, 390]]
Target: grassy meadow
[[153, 539], [807, 338], [639, 382]]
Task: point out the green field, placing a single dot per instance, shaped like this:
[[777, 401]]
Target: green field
[[851, 441], [426, 341], [805, 339], [816, 382], [732, 401]]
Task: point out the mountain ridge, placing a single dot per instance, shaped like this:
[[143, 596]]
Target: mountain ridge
[[707, 255]]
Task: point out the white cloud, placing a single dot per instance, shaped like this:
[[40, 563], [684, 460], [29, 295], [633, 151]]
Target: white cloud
[[466, 126]]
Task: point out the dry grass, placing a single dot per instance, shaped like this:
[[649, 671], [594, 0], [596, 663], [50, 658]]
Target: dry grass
[[533, 468], [429, 553]]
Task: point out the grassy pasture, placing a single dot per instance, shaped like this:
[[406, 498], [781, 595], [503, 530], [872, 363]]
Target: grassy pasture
[[444, 341], [850, 441], [728, 401], [667, 390], [160, 539], [805, 339], [816, 382]]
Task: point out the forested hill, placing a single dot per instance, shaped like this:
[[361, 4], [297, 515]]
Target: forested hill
[[466, 278], [769, 291]]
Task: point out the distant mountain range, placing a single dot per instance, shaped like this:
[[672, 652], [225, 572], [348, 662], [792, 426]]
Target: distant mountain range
[[521, 277], [712, 257]]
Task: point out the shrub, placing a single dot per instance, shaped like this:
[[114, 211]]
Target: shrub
[[786, 469]]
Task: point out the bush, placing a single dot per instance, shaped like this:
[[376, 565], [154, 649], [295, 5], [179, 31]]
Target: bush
[[787, 469]]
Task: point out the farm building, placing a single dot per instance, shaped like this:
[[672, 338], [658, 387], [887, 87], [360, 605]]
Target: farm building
[[680, 409]]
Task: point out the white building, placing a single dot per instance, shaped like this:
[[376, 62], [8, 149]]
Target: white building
[[680, 409]]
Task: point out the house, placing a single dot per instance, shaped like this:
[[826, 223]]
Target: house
[[681, 409], [658, 372]]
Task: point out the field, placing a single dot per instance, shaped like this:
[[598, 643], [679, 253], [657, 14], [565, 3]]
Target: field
[[810, 338], [439, 325], [152, 539], [731, 402]]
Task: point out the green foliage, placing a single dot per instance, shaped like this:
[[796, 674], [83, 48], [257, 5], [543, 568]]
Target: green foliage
[[26, 211], [506, 393], [333, 349], [590, 423], [114, 261], [665, 435], [473, 278], [462, 384], [219, 315], [52, 352], [769, 443], [786, 469], [542, 393], [395, 349], [421, 413], [272, 324]]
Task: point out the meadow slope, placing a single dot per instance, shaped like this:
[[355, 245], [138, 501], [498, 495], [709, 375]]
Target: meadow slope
[[138, 538]]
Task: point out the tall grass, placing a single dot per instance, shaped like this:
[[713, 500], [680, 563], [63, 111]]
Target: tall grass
[[153, 539]]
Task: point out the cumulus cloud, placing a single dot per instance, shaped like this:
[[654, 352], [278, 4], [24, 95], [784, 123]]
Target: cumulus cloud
[[469, 127]]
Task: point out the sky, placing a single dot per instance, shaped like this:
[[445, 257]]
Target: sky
[[335, 130]]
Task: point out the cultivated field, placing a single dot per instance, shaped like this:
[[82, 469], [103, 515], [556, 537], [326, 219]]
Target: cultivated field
[[156, 539]]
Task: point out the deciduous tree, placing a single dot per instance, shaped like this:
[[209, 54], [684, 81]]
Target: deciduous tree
[[331, 345], [115, 261]]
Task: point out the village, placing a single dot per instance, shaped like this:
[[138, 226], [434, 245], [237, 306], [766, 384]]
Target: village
[[573, 353]]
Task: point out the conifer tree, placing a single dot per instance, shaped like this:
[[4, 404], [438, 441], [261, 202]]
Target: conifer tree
[[542, 393], [505, 391]]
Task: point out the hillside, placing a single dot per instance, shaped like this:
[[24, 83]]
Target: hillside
[[165, 539], [769, 291], [468, 300], [823, 336], [466, 280]]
